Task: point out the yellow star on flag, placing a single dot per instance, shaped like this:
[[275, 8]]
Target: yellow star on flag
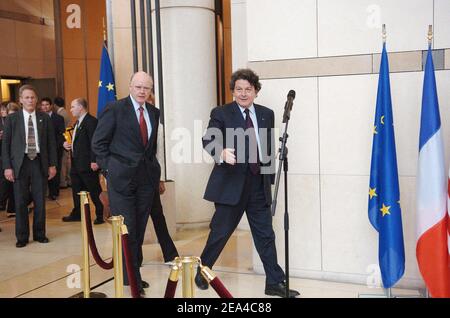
[[382, 120], [372, 193], [110, 87], [385, 210], [375, 132], [100, 83]]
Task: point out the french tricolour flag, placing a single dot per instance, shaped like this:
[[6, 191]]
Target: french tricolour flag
[[432, 249]]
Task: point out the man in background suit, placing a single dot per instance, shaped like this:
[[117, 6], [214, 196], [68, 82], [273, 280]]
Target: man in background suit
[[59, 105], [241, 178], [58, 128], [125, 145], [85, 170], [29, 160], [3, 181], [168, 248]]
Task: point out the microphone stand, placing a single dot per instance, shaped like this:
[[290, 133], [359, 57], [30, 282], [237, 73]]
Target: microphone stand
[[283, 162]]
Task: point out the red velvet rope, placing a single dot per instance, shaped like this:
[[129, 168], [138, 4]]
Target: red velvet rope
[[220, 288], [91, 240], [130, 270], [170, 289]]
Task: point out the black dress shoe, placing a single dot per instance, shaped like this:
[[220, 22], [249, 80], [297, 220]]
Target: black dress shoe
[[20, 244], [200, 281], [71, 218], [280, 290], [142, 291], [42, 240], [144, 284], [99, 221]]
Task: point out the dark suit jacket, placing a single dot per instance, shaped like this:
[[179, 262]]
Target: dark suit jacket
[[226, 182], [2, 127], [82, 154], [59, 129], [118, 147], [14, 144]]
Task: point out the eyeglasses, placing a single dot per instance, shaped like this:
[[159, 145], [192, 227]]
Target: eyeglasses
[[145, 88]]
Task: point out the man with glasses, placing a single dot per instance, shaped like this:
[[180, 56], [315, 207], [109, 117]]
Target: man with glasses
[[125, 147]]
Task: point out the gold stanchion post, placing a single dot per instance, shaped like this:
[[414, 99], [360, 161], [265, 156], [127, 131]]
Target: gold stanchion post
[[85, 246], [84, 199], [187, 267], [117, 227]]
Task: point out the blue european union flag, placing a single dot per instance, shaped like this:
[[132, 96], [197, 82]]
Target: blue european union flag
[[384, 194], [106, 84]]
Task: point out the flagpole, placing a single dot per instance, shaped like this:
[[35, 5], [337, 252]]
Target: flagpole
[[430, 41], [104, 31], [430, 34], [387, 291]]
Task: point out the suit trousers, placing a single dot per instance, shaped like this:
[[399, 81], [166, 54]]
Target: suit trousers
[[65, 170], [168, 248], [7, 195], [226, 219], [53, 184], [134, 205], [86, 181], [31, 177]]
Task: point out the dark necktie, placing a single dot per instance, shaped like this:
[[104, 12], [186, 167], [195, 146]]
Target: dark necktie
[[143, 126], [32, 151], [253, 156]]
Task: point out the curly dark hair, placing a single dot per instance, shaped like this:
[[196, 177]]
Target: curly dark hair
[[248, 75]]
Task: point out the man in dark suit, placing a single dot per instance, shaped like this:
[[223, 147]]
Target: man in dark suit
[[3, 181], [58, 128], [85, 170], [240, 139], [29, 160], [125, 145]]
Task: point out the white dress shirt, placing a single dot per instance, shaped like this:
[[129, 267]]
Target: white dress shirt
[[138, 115], [26, 117], [80, 120]]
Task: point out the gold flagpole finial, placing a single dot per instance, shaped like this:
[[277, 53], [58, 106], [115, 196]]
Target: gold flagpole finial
[[384, 33], [430, 34], [104, 30]]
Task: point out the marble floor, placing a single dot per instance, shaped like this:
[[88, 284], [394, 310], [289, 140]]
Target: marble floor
[[52, 270]]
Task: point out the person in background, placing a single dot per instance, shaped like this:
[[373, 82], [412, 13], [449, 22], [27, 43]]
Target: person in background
[[6, 190], [58, 128], [3, 181], [168, 248], [59, 105], [85, 171]]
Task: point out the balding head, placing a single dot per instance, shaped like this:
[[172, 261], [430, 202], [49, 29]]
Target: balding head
[[141, 85]]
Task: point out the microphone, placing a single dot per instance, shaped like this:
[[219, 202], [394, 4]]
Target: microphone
[[288, 105]]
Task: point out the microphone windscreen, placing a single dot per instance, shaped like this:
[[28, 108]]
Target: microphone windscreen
[[291, 94]]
